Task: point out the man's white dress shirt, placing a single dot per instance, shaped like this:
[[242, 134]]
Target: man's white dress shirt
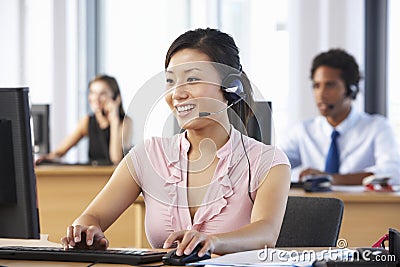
[[366, 144]]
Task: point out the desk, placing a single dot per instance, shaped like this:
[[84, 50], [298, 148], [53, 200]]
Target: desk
[[21, 263], [43, 242], [248, 257], [367, 215], [65, 191]]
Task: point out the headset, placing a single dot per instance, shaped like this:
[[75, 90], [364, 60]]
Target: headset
[[233, 88], [352, 91]]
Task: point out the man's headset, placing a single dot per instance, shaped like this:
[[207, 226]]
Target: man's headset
[[352, 91]]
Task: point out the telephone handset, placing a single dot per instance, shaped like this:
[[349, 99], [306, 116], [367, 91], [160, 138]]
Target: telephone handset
[[115, 96]]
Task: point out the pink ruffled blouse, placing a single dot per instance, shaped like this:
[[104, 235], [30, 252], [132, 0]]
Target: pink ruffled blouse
[[160, 165]]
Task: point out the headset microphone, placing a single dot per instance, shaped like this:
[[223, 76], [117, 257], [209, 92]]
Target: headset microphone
[[205, 114], [233, 90]]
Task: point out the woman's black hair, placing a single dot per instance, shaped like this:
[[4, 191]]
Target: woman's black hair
[[113, 84], [220, 48]]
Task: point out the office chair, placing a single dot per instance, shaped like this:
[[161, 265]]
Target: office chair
[[311, 222]]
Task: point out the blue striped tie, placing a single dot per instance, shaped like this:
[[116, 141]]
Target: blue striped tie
[[333, 159]]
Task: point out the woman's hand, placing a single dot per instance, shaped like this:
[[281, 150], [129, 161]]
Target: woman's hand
[[188, 240], [109, 111], [85, 237], [111, 108], [46, 158]]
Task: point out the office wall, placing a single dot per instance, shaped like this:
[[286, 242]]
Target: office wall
[[393, 96], [134, 51], [276, 48], [11, 46], [39, 50], [52, 31], [316, 26], [263, 49], [24, 44]]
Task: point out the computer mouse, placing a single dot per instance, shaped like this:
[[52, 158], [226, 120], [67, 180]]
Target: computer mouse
[[172, 259]]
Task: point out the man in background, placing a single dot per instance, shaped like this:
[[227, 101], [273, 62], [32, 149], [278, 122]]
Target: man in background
[[341, 142]]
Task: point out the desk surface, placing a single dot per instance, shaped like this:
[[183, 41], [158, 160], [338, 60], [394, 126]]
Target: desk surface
[[14, 263], [65, 191], [367, 215], [43, 242], [359, 197], [73, 170]]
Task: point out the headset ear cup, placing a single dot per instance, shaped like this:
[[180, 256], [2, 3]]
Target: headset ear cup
[[353, 91], [232, 88]]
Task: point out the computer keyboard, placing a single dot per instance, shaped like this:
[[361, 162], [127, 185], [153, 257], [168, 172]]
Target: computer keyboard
[[120, 256]]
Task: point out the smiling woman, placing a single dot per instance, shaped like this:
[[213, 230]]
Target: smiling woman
[[193, 87], [196, 180], [195, 91]]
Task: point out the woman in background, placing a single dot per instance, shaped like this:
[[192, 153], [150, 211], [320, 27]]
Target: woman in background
[[104, 126]]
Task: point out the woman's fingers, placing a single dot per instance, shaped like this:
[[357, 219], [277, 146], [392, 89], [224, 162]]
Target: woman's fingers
[[84, 237], [189, 241], [175, 236]]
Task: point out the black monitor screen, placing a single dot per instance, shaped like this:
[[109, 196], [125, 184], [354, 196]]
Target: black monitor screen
[[18, 203], [41, 130], [259, 125]]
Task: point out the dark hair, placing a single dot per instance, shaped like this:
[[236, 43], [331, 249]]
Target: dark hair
[[112, 83], [221, 48], [340, 59]]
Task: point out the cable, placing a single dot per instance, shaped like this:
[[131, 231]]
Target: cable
[[248, 163], [245, 152]]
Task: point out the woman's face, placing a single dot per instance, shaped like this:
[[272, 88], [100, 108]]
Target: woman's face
[[99, 94], [193, 85]]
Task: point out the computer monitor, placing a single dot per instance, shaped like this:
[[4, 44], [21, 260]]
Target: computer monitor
[[259, 125], [41, 129], [18, 202]]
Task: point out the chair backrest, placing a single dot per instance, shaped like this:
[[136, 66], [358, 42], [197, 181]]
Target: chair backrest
[[311, 222]]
